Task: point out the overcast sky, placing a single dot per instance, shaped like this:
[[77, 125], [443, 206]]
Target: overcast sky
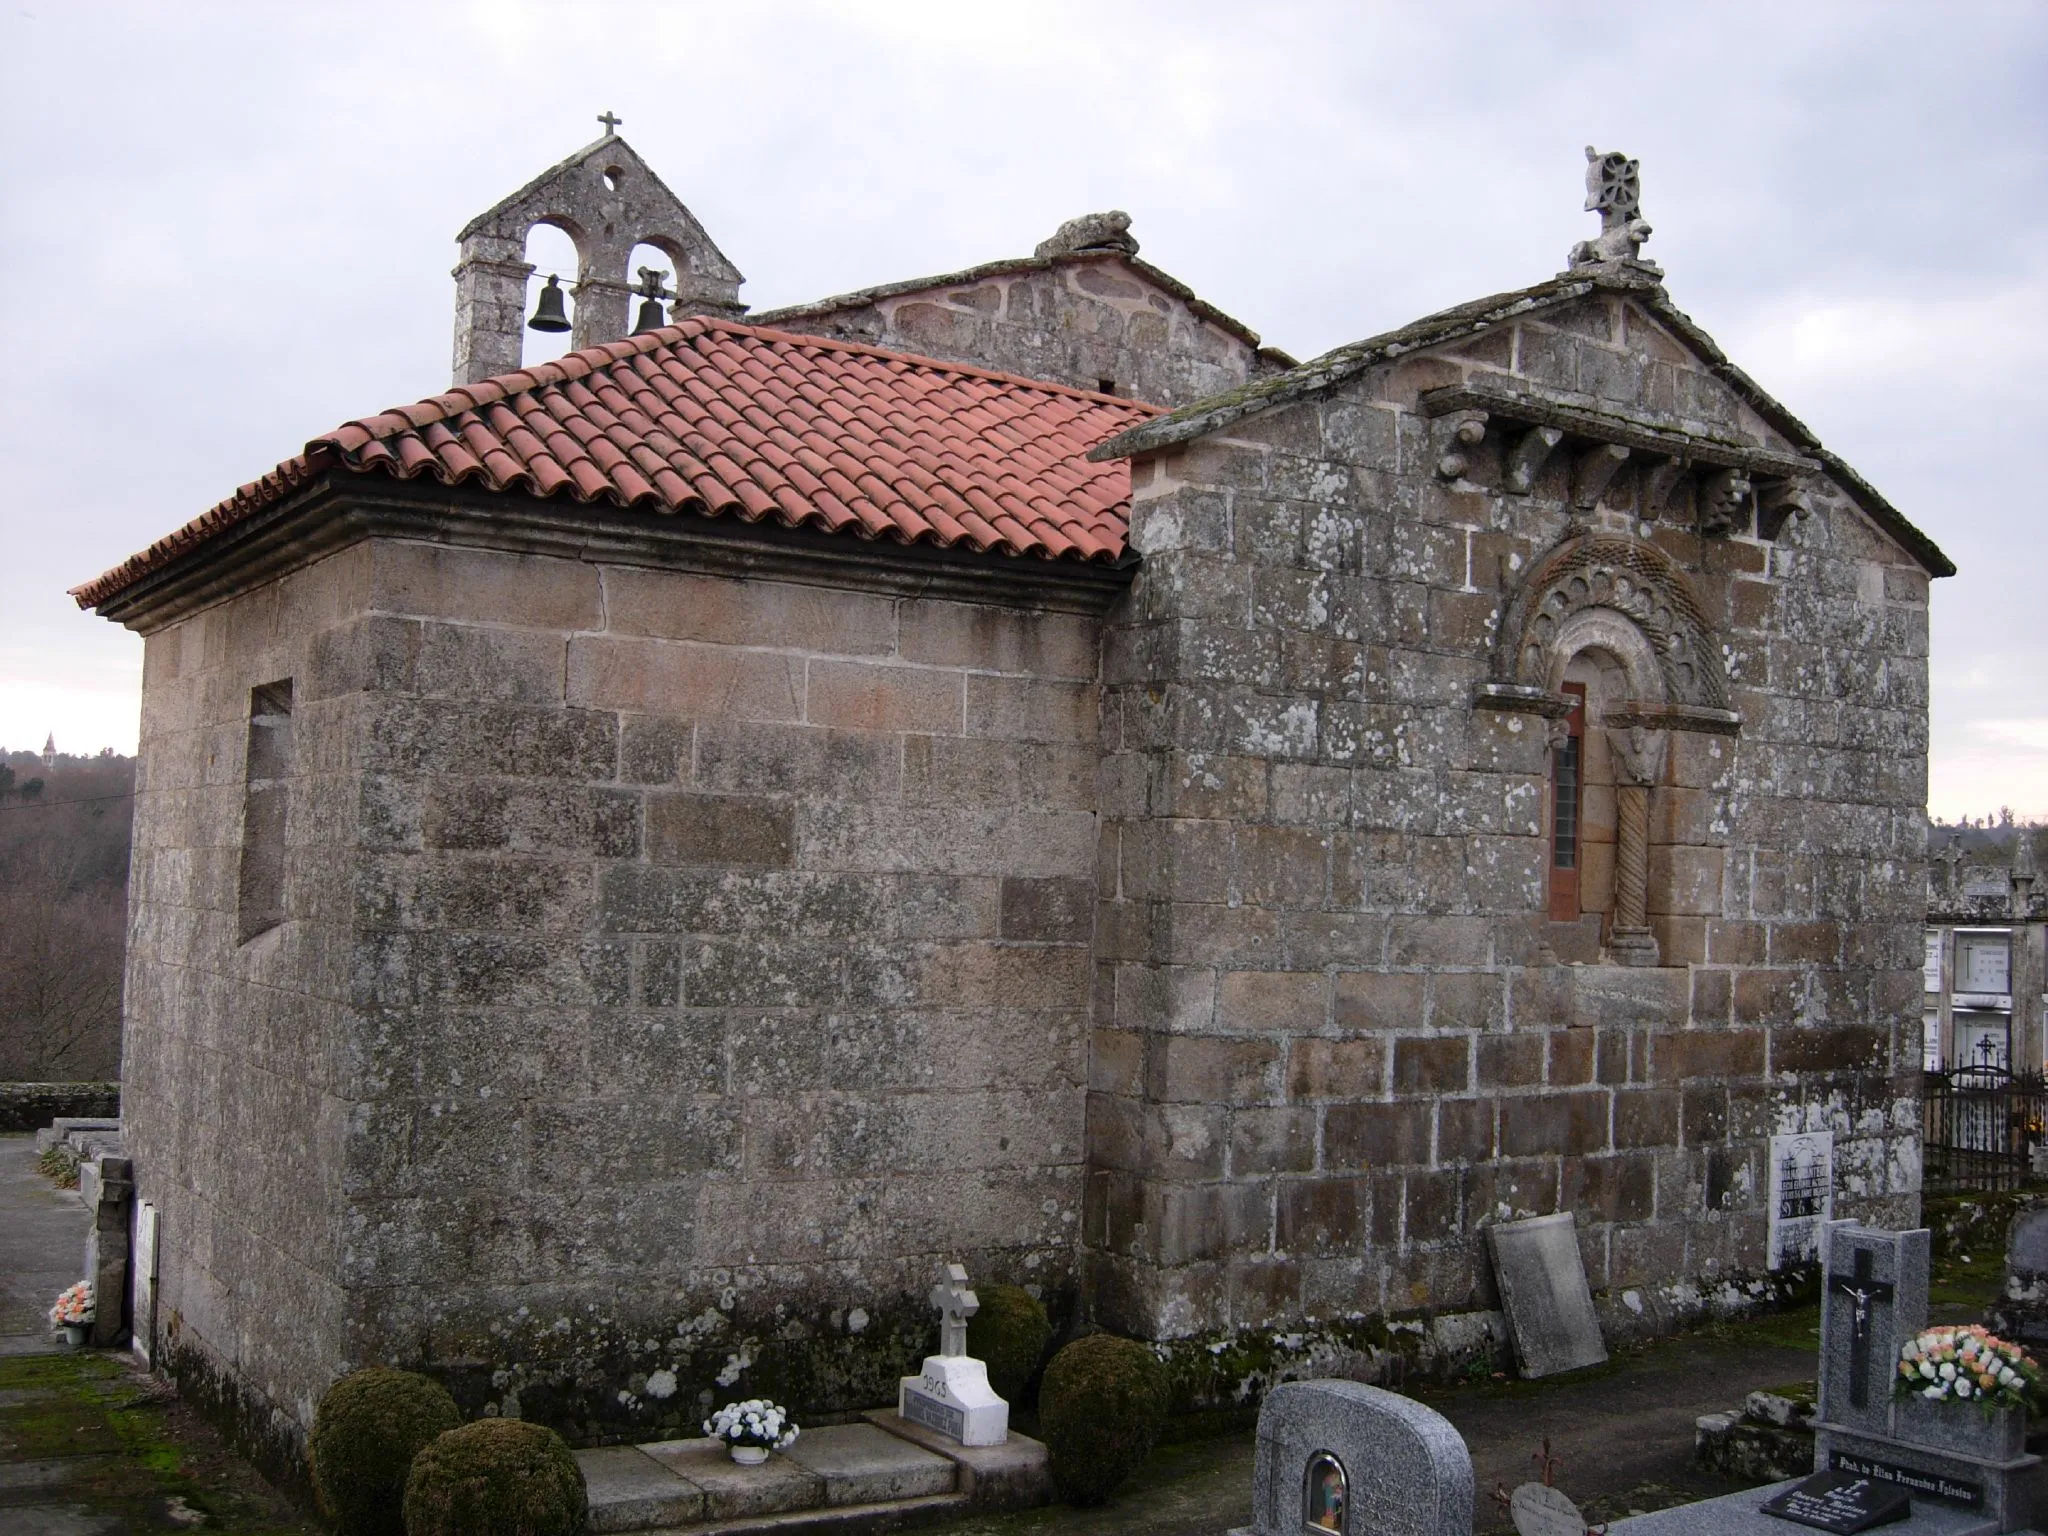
[[227, 228]]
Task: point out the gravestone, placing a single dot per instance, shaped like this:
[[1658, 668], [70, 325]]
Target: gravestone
[[1873, 1301], [2021, 1311], [1343, 1457], [1544, 1293], [952, 1394], [142, 1309]]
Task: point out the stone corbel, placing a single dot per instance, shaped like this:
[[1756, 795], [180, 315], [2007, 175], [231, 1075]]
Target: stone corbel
[[1663, 478], [1594, 472], [1779, 502], [1463, 437], [1722, 497], [1532, 450]]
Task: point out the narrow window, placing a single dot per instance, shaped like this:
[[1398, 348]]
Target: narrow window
[[1565, 777], [260, 905]]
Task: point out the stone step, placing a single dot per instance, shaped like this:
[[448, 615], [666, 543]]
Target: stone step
[[872, 1476]]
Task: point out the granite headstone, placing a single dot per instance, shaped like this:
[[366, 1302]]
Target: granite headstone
[[1544, 1293], [1343, 1457], [951, 1394], [2021, 1312], [1873, 1300]]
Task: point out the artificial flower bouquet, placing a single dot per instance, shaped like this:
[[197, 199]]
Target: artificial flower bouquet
[[1973, 1365], [74, 1308], [755, 1422]]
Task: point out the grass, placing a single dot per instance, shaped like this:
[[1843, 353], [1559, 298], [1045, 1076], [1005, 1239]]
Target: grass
[[124, 1447]]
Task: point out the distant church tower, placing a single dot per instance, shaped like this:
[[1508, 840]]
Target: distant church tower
[[50, 750], [607, 200]]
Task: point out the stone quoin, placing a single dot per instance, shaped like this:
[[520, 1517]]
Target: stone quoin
[[639, 858]]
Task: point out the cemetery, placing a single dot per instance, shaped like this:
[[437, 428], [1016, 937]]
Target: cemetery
[[988, 903]]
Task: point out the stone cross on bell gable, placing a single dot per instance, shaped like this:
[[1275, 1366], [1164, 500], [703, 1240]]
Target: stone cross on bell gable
[[1875, 1300], [611, 124], [956, 1303]]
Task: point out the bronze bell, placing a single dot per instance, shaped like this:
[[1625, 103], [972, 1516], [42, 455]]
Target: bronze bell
[[651, 318], [550, 314]]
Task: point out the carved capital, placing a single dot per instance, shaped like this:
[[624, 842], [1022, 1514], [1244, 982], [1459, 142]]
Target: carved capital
[[1638, 754]]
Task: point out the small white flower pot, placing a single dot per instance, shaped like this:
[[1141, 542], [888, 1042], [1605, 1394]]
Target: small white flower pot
[[748, 1455], [75, 1334]]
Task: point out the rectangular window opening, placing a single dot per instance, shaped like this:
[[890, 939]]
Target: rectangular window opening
[[1566, 785], [260, 898]]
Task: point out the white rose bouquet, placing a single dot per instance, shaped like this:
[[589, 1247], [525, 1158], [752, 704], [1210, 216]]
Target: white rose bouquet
[[755, 1422], [1973, 1365], [74, 1309]]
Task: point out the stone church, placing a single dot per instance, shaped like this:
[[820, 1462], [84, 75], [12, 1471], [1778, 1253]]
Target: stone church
[[638, 857]]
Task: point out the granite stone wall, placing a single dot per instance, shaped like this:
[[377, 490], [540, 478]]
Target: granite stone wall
[[720, 964], [236, 1056], [1337, 1033], [1085, 322]]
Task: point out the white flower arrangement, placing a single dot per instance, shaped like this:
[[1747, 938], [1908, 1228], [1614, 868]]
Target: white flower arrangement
[[74, 1309], [753, 1422], [1967, 1365]]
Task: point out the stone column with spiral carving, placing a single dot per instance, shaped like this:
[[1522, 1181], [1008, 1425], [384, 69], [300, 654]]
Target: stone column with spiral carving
[[1638, 756]]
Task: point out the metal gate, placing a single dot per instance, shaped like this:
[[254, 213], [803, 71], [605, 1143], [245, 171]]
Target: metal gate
[[1979, 1125]]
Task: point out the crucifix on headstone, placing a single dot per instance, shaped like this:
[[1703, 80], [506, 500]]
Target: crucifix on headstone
[[956, 1303], [1861, 1290], [611, 124]]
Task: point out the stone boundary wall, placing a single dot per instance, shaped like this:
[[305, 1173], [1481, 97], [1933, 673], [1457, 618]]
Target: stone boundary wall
[[31, 1106]]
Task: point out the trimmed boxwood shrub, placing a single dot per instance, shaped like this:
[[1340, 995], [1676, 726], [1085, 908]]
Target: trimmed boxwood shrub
[[1009, 1332], [1100, 1407], [496, 1477], [366, 1432]]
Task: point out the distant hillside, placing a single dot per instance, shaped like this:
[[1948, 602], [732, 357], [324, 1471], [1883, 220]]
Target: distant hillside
[[64, 832]]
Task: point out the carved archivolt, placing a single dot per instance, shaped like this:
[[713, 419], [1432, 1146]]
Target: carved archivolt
[[1634, 580]]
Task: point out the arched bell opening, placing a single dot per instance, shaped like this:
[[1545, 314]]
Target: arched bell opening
[[553, 252]]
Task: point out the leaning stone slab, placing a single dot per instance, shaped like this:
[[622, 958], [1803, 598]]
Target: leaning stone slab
[[1345, 1457], [1544, 1293], [861, 1464], [631, 1491], [1012, 1475], [733, 1492]]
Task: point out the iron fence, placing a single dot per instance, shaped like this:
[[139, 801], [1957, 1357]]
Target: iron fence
[[1979, 1127]]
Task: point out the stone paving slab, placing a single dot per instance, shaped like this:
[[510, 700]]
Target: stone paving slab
[[862, 1464], [1012, 1475], [734, 1492], [631, 1491], [42, 1248]]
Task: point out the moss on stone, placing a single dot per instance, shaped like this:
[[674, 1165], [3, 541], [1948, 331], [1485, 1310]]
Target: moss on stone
[[366, 1432], [1101, 1407], [496, 1477]]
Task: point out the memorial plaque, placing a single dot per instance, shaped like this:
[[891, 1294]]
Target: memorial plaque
[[1959, 1491], [1841, 1501], [1802, 1195]]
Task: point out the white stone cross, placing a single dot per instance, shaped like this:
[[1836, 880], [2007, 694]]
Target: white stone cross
[[956, 1303]]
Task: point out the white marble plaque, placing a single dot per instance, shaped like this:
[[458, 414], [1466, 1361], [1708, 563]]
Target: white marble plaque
[[1983, 962], [1930, 966], [1802, 1195]]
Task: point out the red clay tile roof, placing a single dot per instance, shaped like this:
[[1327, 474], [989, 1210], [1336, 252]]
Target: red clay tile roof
[[714, 418]]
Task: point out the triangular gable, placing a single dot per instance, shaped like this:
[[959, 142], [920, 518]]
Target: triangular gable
[[646, 205], [1467, 322]]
